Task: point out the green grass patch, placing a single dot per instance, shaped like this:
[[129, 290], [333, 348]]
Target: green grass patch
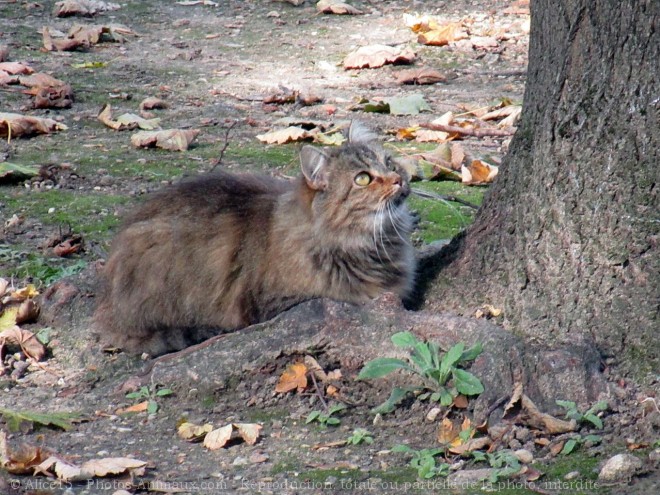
[[440, 219]]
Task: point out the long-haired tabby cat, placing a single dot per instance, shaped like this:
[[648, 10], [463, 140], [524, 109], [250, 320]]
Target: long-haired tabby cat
[[223, 251]]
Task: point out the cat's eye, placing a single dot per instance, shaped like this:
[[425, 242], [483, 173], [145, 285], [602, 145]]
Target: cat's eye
[[363, 179]]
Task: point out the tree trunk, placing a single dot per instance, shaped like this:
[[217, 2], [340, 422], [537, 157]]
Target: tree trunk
[[567, 239]]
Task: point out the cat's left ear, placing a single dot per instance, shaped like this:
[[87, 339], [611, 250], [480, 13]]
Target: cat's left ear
[[360, 133], [314, 165]]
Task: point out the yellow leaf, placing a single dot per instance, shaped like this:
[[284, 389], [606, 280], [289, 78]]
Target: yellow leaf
[[8, 318], [478, 172], [25, 293], [218, 438], [294, 377], [248, 432], [193, 432]]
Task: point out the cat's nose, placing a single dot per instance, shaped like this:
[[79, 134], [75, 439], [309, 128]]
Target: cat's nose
[[396, 180]]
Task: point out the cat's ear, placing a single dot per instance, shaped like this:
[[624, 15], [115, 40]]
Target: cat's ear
[[360, 133], [314, 165]]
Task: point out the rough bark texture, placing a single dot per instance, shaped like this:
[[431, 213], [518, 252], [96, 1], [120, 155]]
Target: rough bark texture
[[566, 241]]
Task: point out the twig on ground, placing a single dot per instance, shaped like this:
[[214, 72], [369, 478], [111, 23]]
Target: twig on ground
[[468, 132], [224, 148]]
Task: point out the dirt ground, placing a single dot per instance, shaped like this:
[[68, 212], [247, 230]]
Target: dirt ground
[[214, 64]]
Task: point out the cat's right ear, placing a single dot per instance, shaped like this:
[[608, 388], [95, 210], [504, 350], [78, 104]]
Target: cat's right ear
[[314, 165]]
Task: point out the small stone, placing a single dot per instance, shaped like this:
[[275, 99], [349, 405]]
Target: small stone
[[524, 456], [468, 477], [619, 468], [433, 414], [240, 461], [654, 456], [51, 211], [572, 475], [523, 434]]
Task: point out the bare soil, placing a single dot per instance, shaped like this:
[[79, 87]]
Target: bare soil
[[214, 65]]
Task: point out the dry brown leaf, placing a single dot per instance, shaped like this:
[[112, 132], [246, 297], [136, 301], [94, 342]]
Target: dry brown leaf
[[126, 121], [420, 76], [82, 8], [283, 136], [60, 45], [429, 136], [374, 56], [448, 432], [192, 432], [135, 408], [172, 139], [24, 293], [27, 341], [478, 172], [516, 395], [470, 445], [110, 465], [443, 35], [258, 457], [556, 448], [68, 246], [27, 311], [314, 366], [336, 7], [457, 156], [21, 460], [549, 424], [500, 113], [15, 125], [460, 401], [248, 432], [51, 96], [15, 68], [218, 438], [40, 79], [152, 103], [293, 377], [87, 34]]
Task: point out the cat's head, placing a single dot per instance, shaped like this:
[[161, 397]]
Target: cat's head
[[356, 181]]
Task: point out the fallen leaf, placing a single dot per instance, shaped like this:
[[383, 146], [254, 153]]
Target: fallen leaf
[[192, 432], [16, 125], [248, 432], [516, 395], [448, 432], [14, 171], [443, 35], [27, 311], [374, 56], [21, 460], [478, 172], [460, 401], [457, 156], [334, 139], [52, 96], [135, 408], [293, 377], [556, 448], [60, 45], [110, 465], [82, 8], [218, 438], [15, 68], [27, 341], [429, 136], [172, 139], [41, 80], [126, 121], [152, 103], [407, 105], [470, 445], [282, 136], [26, 292], [419, 76], [336, 7], [546, 422]]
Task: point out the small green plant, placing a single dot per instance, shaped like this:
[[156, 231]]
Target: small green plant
[[435, 370], [573, 442], [424, 461], [326, 419], [359, 436], [505, 463], [150, 394], [589, 416]]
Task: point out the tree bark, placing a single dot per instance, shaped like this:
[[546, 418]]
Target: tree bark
[[566, 241]]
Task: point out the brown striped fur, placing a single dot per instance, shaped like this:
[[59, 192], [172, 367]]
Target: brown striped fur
[[224, 251]]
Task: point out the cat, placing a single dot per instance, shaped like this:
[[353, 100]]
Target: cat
[[223, 251]]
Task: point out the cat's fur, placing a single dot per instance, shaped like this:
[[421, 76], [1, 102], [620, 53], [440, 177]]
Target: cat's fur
[[223, 251]]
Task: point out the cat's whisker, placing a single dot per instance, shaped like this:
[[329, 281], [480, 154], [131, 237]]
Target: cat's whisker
[[393, 220], [378, 214], [381, 216]]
